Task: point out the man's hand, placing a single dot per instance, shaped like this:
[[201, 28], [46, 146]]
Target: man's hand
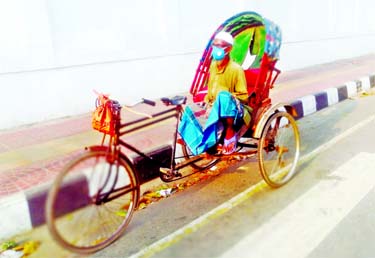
[[206, 107]]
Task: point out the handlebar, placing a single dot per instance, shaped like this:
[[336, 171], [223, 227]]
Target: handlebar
[[177, 100], [149, 102], [106, 97]]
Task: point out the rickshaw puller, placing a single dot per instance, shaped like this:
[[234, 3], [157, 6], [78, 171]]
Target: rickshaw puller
[[226, 76], [226, 97]]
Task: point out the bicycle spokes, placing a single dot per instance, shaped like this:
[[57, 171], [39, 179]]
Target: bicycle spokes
[[95, 196], [279, 149]]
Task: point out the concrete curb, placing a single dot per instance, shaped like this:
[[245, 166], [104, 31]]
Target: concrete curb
[[310, 104], [24, 211]]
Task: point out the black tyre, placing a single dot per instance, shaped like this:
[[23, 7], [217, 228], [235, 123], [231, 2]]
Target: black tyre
[[279, 149], [91, 202]]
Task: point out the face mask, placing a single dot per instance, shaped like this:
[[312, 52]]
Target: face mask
[[218, 53]]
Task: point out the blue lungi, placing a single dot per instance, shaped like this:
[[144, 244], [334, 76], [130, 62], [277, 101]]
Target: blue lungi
[[199, 140]]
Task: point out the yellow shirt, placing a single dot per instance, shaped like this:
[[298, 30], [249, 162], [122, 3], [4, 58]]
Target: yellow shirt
[[230, 78]]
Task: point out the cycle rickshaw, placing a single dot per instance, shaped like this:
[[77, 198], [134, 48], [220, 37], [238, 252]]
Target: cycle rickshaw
[[93, 199]]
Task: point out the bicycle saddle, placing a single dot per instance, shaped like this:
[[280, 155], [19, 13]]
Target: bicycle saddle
[[177, 100]]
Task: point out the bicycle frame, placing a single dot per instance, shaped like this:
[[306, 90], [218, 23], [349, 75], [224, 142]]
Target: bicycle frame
[[122, 129]]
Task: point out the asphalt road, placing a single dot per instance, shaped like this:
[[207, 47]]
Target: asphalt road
[[327, 210]]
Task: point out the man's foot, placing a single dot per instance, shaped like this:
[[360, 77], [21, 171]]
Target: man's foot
[[230, 145]]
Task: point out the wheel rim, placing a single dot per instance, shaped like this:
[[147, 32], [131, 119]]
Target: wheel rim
[[77, 215], [279, 149]]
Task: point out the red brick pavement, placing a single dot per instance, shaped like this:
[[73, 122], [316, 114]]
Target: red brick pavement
[[25, 177], [22, 178]]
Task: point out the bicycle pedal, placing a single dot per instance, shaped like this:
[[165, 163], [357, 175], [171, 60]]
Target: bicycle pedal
[[165, 171], [177, 174]]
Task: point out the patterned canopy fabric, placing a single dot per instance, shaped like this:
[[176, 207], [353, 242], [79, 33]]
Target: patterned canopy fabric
[[273, 40]]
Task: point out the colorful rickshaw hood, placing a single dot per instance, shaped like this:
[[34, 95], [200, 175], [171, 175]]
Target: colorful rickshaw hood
[[254, 36]]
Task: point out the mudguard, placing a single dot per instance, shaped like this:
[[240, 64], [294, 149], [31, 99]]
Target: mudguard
[[268, 113]]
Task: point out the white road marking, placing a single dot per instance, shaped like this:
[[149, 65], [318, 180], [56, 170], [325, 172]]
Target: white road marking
[[303, 224], [238, 199]]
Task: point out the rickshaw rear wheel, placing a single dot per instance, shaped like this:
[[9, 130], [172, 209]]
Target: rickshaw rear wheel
[[279, 149]]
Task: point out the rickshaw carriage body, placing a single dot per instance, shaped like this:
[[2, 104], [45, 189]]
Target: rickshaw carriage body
[[256, 48], [104, 180]]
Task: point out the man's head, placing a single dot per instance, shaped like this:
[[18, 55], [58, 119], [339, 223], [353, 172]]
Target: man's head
[[222, 45]]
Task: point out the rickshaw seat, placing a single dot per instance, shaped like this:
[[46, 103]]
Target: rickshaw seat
[[259, 80], [199, 96], [251, 78]]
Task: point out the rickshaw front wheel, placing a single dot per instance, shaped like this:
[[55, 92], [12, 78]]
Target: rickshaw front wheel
[[91, 202]]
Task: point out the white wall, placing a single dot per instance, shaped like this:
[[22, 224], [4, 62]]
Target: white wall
[[53, 53]]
